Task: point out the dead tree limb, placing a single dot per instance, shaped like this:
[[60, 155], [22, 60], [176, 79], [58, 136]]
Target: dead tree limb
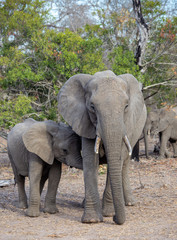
[[143, 32]]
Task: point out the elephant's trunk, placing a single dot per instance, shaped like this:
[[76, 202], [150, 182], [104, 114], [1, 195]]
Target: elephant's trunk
[[77, 161], [113, 141]]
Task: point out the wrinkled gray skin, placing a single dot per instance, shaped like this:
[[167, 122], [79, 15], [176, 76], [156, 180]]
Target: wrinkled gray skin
[[164, 122], [37, 149], [110, 107]]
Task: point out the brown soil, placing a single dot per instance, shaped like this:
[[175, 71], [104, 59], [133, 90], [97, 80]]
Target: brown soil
[[154, 184]]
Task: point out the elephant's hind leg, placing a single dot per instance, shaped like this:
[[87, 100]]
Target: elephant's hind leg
[[21, 192]]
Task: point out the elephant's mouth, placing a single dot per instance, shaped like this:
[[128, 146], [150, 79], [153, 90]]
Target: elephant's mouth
[[125, 138]]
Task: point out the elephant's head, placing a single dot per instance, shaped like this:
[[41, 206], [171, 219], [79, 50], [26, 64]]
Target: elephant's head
[[110, 107], [166, 118], [51, 140], [160, 119], [152, 121]]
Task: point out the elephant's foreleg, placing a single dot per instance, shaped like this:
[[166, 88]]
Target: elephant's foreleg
[[21, 192], [54, 179], [92, 206], [35, 174], [107, 203]]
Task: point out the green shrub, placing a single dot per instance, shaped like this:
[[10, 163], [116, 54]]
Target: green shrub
[[123, 61], [16, 110]]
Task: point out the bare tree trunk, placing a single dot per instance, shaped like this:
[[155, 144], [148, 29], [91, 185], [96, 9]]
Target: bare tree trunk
[[143, 32]]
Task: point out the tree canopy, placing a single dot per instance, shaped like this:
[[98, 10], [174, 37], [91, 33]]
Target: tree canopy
[[43, 43]]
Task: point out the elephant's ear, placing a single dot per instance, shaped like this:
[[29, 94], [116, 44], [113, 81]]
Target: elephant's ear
[[137, 114], [166, 117], [72, 105], [38, 140]]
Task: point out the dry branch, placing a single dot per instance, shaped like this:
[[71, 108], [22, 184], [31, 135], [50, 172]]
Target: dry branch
[[166, 83]]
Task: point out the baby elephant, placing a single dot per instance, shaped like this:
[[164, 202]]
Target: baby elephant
[[37, 149]]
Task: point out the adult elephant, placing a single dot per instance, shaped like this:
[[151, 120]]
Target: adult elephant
[[108, 107], [164, 122]]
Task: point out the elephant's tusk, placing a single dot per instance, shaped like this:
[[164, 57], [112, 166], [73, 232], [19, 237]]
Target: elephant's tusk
[[128, 145], [97, 144], [149, 132]]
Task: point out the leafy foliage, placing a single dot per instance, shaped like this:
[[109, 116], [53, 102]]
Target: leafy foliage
[[36, 59], [13, 111], [123, 61], [152, 9]]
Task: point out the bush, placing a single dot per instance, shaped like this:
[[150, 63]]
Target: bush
[[123, 61], [16, 110]]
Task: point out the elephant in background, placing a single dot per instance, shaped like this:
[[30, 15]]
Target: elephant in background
[[152, 119], [37, 149], [108, 108], [150, 127], [163, 122]]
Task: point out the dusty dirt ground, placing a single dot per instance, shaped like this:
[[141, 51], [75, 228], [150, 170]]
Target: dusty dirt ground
[[154, 184]]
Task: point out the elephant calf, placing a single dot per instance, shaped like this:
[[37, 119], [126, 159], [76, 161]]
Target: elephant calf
[[37, 149]]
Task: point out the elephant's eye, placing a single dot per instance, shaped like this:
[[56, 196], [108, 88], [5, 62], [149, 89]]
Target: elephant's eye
[[65, 151], [126, 107], [92, 108]]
